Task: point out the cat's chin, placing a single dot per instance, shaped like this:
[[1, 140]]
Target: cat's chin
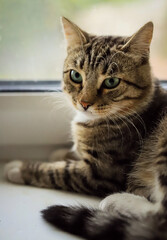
[[84, 116]]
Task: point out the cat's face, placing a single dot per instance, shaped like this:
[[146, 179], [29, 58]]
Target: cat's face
[[107, 76]]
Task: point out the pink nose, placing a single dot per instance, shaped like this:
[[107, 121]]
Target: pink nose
[[85, 105]]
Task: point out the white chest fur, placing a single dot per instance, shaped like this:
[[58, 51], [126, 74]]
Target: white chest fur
[[84, 117]]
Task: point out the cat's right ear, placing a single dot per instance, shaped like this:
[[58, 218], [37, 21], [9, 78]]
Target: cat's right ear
[[73, 34]]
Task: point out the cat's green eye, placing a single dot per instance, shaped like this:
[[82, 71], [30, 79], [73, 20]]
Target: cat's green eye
[[111, 82], [75, 76]]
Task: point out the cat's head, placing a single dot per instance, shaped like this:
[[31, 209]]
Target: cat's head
[[107, 75]]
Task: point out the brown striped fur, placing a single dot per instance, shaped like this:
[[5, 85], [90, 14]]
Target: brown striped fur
[[122, 144]]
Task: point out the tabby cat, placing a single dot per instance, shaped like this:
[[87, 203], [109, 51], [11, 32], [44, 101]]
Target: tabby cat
[[120, 140]]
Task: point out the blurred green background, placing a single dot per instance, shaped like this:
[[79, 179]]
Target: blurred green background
[[31, 39]]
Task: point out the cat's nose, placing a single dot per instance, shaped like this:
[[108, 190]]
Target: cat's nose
[[85, 105]]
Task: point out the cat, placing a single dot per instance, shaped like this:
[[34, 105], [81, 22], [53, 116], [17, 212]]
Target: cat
[[120, 140]]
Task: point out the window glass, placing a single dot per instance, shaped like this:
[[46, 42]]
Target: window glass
[[31, 39]]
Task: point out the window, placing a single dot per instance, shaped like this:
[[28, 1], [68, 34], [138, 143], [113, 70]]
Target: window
[[32, 45]]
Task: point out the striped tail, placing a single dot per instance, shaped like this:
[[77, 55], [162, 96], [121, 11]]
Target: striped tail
[[95, 224]]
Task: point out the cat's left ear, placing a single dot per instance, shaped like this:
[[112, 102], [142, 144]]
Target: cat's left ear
[[139, 43], [73, 34]]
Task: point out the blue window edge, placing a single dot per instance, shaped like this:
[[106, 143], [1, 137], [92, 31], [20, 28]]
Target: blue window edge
[[30, 86], [39, 86]]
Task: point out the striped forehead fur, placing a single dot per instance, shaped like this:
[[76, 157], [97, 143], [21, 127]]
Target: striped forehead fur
[[100, 51]]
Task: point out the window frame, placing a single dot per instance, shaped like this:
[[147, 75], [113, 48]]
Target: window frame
[[30, 86]]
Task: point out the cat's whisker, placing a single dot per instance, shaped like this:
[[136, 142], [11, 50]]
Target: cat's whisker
[[138, 133], [124, 122], [123, 118], [132, 123], [117, 116], [138, 117]]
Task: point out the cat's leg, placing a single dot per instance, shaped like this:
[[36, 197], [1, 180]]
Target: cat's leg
[[127, 204], [68, 175]]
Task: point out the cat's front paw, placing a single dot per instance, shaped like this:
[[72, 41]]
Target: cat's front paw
[[12, 172]]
